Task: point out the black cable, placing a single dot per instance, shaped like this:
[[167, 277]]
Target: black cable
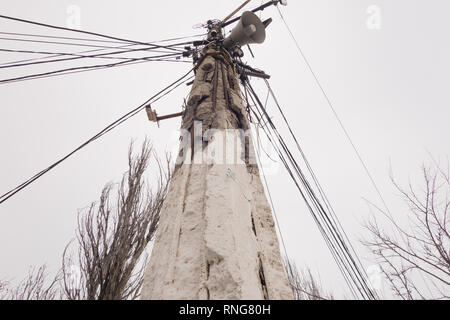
[[28, 77], [323, 195], [271, 203], [309, 191], [316, 182], [54, 55], [321, 210], [169, 47], [333, 109], [100, 67], [110, 127], [91, 40], [61, 54], [336, 256], [81, 57], [78, 31], [345, 255]]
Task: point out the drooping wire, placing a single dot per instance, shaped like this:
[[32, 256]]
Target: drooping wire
[[326, 237], [107, 129], [323, 215], [101, 48], [266, 184], [75, 55], [63, 71], [351, 272], [81, 31], [271, 201], [333, 109], [98, 55], [100, 67], [316, 182], [172, 48], [313, 175], [92, 40]]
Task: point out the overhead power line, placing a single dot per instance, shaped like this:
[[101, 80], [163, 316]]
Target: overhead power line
[[93, 40], [333, 109], [172, 48], [39, 75], [98, 55], [293, 171], [107, 129], [325, 199], [78, 31], [103, 48], [353, 272], [55, 54], [258, 154], [313, 175], [59, 54], [101, 67]]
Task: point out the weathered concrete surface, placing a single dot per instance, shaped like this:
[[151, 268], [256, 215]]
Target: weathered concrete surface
[[216, 238]]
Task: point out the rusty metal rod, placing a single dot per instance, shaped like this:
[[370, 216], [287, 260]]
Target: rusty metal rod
[[235, 11], [169, 116], [268, 4]]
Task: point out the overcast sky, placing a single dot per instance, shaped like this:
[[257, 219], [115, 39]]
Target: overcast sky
[[384, 65]]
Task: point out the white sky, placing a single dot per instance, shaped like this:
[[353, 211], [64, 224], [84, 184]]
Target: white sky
[[389, 87]]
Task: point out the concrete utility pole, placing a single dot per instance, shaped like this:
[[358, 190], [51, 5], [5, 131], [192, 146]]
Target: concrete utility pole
[[216, 238]]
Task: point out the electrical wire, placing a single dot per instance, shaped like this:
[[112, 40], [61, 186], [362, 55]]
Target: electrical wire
[[271, 202], [81, 57], [61, 43], [107, 129], [172, 48], [318, 185], [350, 270], [33, 76], [311, 209], [102, 56], [313, 175], [322, 214], [79, 31], [54, 55], [333, 109], [101, 67], [93, 40], [279, 151]]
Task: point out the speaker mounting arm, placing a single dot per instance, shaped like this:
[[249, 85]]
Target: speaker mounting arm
[[260, 8], [247, 71]]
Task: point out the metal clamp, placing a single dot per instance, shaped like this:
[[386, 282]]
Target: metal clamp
[[153, 116]]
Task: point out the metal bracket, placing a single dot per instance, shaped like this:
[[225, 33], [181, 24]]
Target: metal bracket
[[153, 116], [246, 71]]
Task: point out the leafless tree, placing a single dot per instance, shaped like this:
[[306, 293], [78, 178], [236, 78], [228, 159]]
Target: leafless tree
[[415, 259], [112, 238], [3, 289], [33, 287], [304, 285]]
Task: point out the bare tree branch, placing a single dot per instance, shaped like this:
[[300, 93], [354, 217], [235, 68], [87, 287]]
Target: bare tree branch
[[109, 264], [304, 285], [423, 251], [33, 287]]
